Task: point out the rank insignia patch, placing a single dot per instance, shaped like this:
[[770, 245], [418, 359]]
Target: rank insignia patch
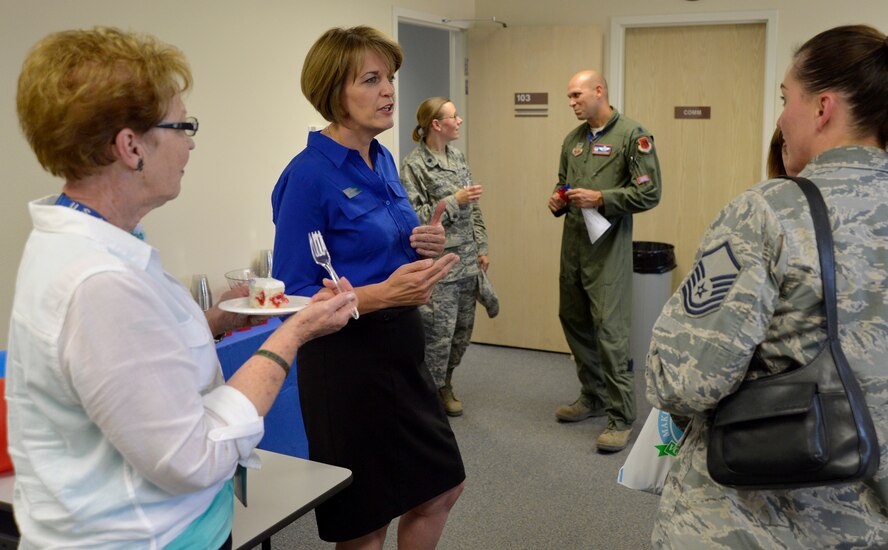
[[709, 282], [601, 149], [645, 145], [578, 149], [641, 180]]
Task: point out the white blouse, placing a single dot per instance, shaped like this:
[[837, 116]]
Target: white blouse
[[121, 429]]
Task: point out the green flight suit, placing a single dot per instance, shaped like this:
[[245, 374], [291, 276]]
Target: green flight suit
[[596, 278]]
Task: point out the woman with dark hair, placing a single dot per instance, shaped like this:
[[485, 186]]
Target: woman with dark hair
[[835, 123], [368, 401], [433, 172]]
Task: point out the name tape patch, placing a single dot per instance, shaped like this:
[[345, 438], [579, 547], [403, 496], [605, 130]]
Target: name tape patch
[[602, 149]]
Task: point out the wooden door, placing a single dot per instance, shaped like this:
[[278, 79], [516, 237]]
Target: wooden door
[[514, 155], [705, 163]]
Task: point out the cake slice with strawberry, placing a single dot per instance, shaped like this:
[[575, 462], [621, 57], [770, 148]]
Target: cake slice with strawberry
[[267, 293]]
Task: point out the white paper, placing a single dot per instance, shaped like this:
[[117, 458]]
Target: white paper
[[652, 455], [596, 224]]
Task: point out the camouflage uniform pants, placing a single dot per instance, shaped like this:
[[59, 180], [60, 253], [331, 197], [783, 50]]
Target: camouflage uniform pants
[[448, 319]]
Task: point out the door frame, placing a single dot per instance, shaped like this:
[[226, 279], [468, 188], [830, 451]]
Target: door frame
[[616, 58], [458, 67]]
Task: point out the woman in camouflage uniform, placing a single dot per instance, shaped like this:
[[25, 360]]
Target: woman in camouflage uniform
[[433, 172], [835, 122]]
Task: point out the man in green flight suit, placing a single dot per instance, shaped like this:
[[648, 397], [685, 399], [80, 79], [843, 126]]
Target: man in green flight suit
[[610, 163]]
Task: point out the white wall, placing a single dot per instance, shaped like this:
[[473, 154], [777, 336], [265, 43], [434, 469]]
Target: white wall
[[246, 57]]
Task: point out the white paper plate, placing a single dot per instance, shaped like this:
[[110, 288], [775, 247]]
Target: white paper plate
[[242, 306]]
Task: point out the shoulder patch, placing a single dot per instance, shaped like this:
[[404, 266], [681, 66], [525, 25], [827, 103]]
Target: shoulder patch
[[710, 280], [645, 145]]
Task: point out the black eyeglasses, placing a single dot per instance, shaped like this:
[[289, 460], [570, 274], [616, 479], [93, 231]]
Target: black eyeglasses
[[189, 126]]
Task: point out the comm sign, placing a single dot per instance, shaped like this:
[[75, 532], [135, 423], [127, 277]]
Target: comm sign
[[693, 112]]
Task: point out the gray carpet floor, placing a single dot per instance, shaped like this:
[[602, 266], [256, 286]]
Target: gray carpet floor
[[532, 482]]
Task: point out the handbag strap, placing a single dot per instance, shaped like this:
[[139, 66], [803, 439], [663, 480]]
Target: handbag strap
[[867, 443], [823, 234]]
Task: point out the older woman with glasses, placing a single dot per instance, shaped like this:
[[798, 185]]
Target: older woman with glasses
[[121, 429]]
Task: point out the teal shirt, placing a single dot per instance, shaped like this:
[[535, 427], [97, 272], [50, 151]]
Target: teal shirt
[[210, 529]]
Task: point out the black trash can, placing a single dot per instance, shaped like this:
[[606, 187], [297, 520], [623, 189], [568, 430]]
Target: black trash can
[[652, 257], [652, 265]]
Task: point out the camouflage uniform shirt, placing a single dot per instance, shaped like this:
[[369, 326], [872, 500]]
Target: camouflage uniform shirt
[[427, 182], [757, 283]]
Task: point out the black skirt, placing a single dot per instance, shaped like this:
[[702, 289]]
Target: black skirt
[[369, 405]]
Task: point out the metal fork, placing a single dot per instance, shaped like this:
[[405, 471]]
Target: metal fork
[[322, 258]]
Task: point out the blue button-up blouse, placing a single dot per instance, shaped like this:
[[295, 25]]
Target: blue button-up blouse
[[363, 214]]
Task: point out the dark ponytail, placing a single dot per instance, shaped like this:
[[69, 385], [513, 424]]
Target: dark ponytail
[[852, 60]]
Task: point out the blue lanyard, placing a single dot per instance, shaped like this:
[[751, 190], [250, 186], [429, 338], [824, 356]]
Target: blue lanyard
[[592, 137], [66, 201]]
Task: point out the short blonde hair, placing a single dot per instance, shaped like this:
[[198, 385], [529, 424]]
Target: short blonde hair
[[338, 54], [428, 111], [79, 88]]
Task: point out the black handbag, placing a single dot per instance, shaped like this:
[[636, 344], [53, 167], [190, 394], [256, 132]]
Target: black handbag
[[807, 426]]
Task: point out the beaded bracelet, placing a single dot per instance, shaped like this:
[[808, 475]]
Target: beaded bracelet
[[276, 358]]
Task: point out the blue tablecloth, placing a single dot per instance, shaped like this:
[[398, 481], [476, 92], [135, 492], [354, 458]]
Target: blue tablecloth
[[284, 431]]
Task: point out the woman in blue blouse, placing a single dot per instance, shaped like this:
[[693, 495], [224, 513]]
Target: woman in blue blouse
[[367, 398]]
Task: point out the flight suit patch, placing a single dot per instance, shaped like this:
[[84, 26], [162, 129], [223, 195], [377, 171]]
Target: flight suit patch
[[601, 149], [645, 145], [578, 149], [641, 180], [709, 282]]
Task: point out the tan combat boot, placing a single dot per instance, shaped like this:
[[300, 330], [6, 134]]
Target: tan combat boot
[[452, 405], [576, 411], [612, 440]]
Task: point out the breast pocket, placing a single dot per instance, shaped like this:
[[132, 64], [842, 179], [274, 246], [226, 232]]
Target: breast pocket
[[191, 324], [438, 188], [402, 203], [397, 189], [356, 206], [444, 184], [194, 332], [607, 172], [196, 336]]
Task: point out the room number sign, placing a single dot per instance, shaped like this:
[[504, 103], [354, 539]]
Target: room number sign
[[531, 98]]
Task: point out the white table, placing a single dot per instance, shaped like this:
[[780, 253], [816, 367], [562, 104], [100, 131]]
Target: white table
[[283, 490]]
